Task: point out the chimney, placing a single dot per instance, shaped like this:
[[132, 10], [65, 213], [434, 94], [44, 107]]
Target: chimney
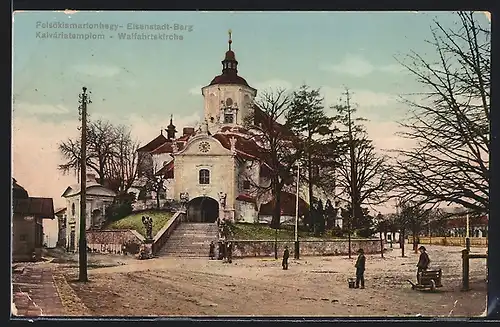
[[91, 178], [188, 131]]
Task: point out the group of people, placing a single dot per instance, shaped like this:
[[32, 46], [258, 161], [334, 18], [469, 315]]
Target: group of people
[[422, 265], [226, 254], [225, 251]]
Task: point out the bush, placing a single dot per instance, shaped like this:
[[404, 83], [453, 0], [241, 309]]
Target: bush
[[365, 232], [337, 232], [121, 207], [132, 247]]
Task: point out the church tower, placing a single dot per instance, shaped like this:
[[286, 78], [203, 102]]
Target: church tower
[[228, 98], [171, 130]]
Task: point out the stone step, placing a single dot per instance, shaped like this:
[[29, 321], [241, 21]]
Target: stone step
[[190, 240]]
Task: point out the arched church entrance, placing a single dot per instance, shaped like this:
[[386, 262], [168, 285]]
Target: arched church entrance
[[202, 210]]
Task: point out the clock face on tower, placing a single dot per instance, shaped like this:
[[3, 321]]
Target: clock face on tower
[[204, 147]]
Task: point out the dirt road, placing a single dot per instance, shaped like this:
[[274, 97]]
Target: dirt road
[[312, 286]]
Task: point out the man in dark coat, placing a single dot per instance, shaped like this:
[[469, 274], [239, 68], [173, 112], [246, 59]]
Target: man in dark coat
[[286, 255], [224, 251], [360, 269], [211, 252], [423, 262], [230, 252]]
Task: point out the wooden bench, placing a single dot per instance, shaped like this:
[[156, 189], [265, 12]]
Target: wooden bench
[[429, 279]]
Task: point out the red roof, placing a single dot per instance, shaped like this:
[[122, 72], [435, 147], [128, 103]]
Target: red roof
[[287, 204], [229, 79], [165, 148], [246, 198], [245, 148], [158, 141], [167, 170], [38, 207]]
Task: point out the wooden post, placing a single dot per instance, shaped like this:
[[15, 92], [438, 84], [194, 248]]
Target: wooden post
[[465, 270]]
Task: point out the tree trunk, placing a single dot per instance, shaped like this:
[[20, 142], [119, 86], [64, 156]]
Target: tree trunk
[[312, 221], [157, 200], [415, 242], [402, 243], [275, 221]]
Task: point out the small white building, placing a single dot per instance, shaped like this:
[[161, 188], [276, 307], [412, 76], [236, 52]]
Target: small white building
[[98, 199]]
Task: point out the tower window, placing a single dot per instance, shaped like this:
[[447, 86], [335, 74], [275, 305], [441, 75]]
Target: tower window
[[204, 176], [73, 209], [246, 185], [228, 118]]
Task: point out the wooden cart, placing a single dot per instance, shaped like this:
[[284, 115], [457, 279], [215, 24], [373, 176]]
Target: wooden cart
[[429, 279]]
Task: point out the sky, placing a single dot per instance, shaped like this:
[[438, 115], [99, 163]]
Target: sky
[[140, 83]]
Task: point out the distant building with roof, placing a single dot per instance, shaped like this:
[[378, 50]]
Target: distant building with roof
[[99, 198], [27, 223], [60, 214]]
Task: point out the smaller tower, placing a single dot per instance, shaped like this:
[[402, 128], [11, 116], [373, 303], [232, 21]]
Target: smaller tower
[[171, 130], [229, 64]]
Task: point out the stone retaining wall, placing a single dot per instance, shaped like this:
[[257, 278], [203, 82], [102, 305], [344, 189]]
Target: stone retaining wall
[[265, 248], [111, 241]]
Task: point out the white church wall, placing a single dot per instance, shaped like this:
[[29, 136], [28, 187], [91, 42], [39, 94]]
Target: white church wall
[[215, 98], [246, 212], [169, 186], [217, 160]]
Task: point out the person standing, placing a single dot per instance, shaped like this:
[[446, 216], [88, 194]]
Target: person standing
[[423, 262], [286, 255], [224, 251], [230, 252], [360, 269], [211, 252]]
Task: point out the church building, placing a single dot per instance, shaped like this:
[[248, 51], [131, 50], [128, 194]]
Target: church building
[[217, 169]]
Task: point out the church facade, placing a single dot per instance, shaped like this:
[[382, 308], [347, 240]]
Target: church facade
[[216, 170]]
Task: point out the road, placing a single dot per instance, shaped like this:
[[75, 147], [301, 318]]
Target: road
[[255, 286]]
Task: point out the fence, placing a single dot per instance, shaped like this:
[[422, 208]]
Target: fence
[[451, 241]]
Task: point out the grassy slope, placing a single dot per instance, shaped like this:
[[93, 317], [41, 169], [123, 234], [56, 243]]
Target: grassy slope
[[242, 231], [134, 221]]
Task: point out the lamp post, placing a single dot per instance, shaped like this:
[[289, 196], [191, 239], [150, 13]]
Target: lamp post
[[296, 252], [380, 223], [467, 239], [82, 247]]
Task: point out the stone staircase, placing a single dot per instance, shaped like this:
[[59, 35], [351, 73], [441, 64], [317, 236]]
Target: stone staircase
[[190, 240]]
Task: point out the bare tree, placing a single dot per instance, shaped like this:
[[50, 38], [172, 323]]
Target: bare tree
[[411, 217], [362, 173], [124, 168], [155, 182], [111, 154], [280, 148], [450, 123]]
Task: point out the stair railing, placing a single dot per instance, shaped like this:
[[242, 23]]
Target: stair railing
[[163, 234]]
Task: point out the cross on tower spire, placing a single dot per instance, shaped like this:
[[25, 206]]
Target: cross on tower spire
[[230, 40]]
